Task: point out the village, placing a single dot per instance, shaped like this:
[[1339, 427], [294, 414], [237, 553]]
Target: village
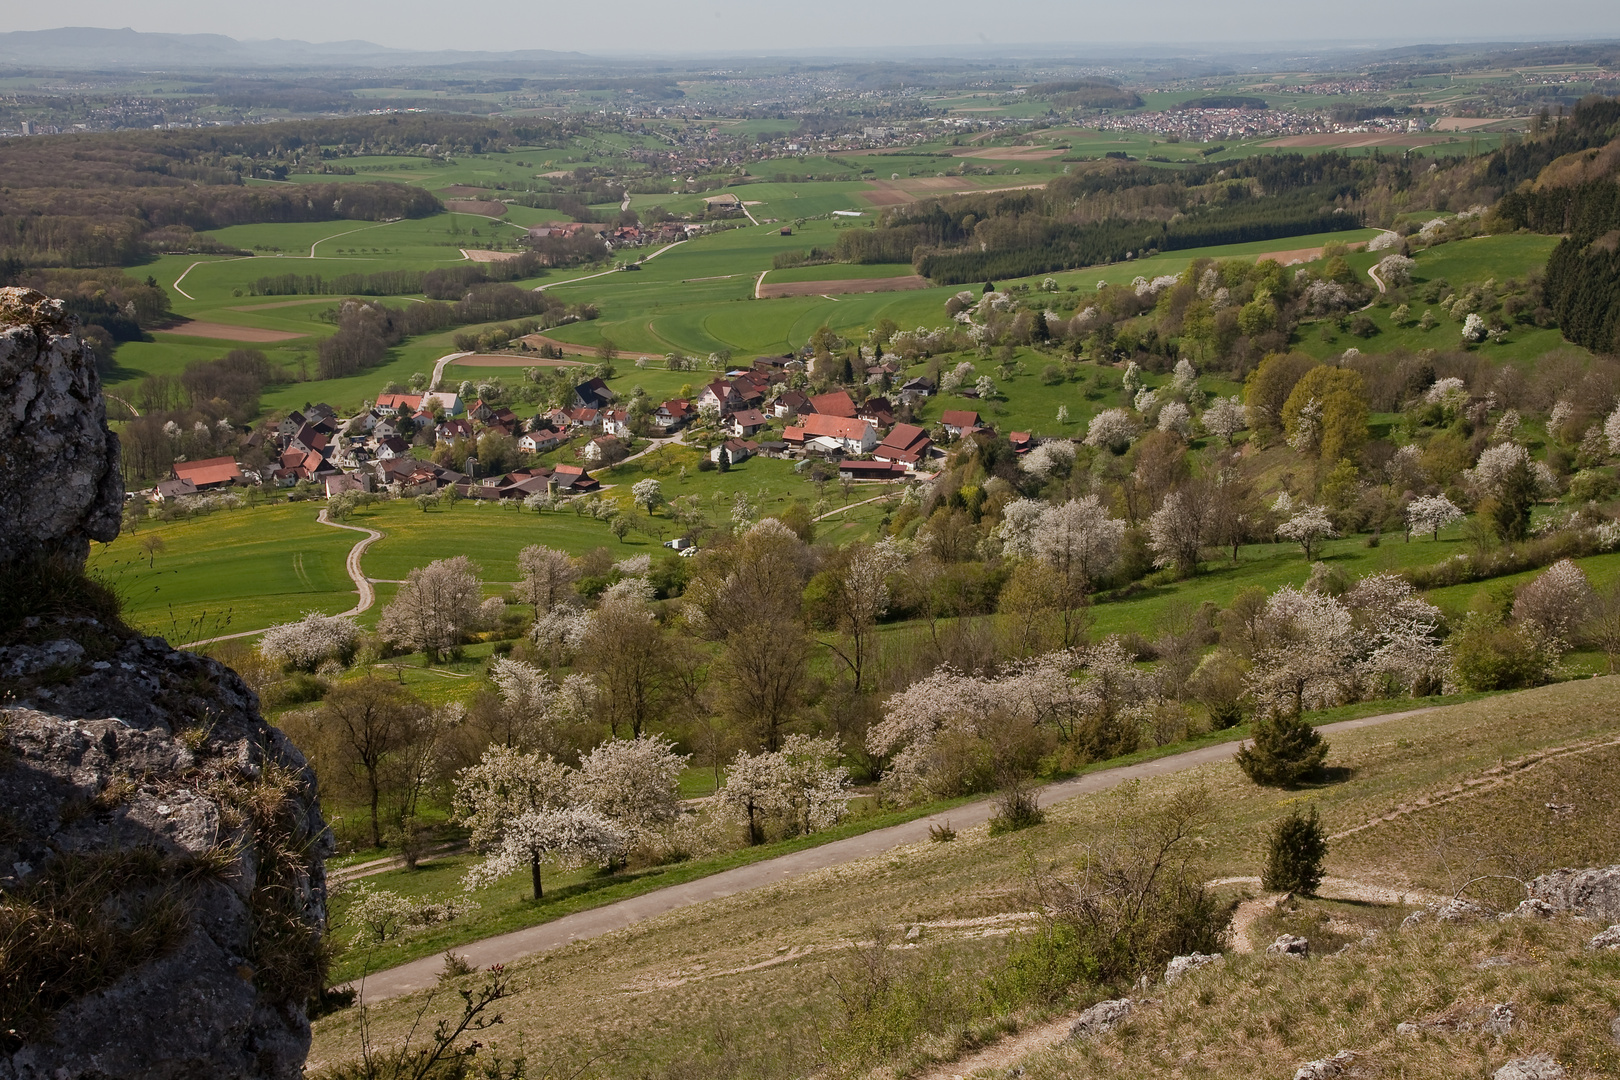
[[403, 445]]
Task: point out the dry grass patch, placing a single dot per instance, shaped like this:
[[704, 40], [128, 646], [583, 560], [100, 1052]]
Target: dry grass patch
[[745, 985], [1258, 1016]]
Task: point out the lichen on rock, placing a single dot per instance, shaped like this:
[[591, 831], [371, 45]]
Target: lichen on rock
[[162, 884], [60, 485]]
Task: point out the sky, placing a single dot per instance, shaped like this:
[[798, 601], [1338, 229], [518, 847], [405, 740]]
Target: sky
[[781, 28]]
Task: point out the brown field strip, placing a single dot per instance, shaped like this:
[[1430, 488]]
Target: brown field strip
[[1300, 255], [287, 303], [483, 207], [479, 255], [227, 332]]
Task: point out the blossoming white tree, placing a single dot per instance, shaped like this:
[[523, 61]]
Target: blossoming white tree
[[633, 782], [567, 838], [1555, 604], [1308, 527], [1225, 417], [435, 606], [1112, 428], [1396, 269], [1052, 456], [754, 790], [1176, 417], [1432, 513], [1611, 430], [1184, 380], [315, 638], [648, 494], [1078, 539], [1019, 520], [815, 787], [1497, 463], [1176, 530], [1132, 379]]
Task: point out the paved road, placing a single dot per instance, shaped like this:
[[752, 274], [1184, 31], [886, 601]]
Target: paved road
[[504, 948], [440, 364]]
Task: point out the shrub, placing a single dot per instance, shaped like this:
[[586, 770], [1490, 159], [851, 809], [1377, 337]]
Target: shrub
[[1490, 655], [1294, 854], [1017, 811], [1137, 900], [1285, 751], [300, 688]]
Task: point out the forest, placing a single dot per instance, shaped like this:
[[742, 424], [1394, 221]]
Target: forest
[[108, 199], [1109, 211]]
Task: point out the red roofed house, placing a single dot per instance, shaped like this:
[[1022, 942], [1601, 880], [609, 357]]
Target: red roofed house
[[572, 480], [907, 444], [720, 395], [879, 410], [399, 404], [539, 440], [674, 413], [857, 436], [956, 421], [1021, 442], [453, 431], [208, 473], [836, 403]]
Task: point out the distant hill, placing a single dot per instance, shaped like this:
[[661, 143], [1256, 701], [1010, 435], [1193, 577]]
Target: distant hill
[[1086, 94], [89, 48]]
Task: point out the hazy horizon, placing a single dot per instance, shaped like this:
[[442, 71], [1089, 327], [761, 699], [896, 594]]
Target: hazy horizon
[[642, 27]]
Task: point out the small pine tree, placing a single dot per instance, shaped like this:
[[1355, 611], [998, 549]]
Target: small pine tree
[[1294, 854], [1285, 750]]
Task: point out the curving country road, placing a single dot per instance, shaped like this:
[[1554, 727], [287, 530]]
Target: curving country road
[[504, 948], [362, 584]]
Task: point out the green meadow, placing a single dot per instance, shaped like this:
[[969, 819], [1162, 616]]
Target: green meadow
[[228, 571]]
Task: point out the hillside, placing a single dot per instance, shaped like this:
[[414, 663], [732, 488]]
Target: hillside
[[751, 985]]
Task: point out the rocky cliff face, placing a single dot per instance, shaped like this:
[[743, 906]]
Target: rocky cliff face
[[59, 475], [162, 893]]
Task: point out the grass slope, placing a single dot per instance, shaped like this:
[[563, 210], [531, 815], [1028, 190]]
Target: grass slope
[[745, 986]]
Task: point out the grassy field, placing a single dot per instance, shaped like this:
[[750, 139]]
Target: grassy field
[[750, 979], [228, 571]]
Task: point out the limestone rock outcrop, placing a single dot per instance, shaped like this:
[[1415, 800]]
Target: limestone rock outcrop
[[60, 485], [162, 886], [1593, 892]]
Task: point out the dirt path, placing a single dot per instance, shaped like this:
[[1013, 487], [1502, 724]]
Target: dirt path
[[1001, 1055], [605, 273], [391, 862], [851, 506], [581, 925], [362, 584], [368, 595]]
